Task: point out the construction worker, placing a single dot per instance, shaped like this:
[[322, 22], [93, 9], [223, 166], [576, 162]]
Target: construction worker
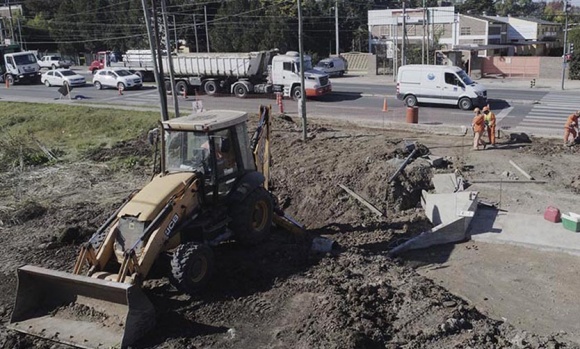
[[570, 129], [489, 119], [478, 125]]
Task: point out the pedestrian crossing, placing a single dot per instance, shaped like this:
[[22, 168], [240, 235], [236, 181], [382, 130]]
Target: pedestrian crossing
[[550, 113]]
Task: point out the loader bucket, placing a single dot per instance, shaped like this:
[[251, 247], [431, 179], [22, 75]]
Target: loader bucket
[[80, 310]]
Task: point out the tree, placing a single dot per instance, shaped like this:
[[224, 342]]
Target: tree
[[478, 7]]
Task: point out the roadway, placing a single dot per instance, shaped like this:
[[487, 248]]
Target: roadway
[[540, 111]]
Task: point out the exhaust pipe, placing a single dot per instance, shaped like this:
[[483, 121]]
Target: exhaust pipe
[[80, 310]]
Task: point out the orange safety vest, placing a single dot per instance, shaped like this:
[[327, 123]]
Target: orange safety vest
[[572, 121], [478, 123]]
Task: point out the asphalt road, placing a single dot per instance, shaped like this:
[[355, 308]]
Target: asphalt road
[[515, 107]]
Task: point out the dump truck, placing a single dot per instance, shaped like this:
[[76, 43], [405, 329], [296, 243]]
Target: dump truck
[[211, 186], [240, 74]]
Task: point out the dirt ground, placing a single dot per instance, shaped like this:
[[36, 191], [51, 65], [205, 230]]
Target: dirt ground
[[282, 294]]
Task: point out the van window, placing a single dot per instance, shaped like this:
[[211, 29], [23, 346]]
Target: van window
[[452, 79]]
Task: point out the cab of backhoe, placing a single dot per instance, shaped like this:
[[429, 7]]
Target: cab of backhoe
[[213, 144]]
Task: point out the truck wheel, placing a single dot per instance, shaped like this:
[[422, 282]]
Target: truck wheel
[[98, 85], [210, 87], [181, 87], [465, 104], [296, 93], [241, 91], [191, 267], [252, 218], [410, 101]]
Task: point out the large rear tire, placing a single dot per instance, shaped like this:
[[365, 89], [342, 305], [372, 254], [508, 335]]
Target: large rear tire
[[210, 87], [181, 88], [191, 267], [252, 218]]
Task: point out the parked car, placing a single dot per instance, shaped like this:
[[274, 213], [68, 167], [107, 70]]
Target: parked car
[[119, 78], [53, 62], [61, 77]]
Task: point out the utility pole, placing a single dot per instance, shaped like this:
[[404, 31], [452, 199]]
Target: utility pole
[[11, 23], [423, 42], [336, 26], [20, 41], [169, 57], [206, 31], [175, 35], [158, 77], [302, 99], [195, 31], [565, 43], [403, 46]]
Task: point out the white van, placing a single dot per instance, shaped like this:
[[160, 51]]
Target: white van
[[440, 84], [333, 66]]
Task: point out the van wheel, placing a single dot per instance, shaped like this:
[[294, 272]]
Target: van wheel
[[465, 104], [411, 101]]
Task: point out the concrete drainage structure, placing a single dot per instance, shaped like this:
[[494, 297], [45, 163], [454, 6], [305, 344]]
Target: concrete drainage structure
[[450, 210]]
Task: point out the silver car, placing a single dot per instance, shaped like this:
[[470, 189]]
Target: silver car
[[117, 78], [61, 77]]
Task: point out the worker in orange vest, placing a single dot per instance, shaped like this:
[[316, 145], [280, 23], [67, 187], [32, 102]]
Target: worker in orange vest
[[571, 127], [478, 125], [489, 119]]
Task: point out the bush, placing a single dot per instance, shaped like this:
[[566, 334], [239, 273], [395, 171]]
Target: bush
[[574, 73]]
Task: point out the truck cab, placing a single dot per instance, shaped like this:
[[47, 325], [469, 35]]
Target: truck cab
[[21, 67], [286, 73]]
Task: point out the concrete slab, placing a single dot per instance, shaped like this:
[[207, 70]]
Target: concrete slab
[[451, 213], [533, 231], [444, 182]]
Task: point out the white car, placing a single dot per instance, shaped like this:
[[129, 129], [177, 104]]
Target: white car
[[61, 77], [117, 78]]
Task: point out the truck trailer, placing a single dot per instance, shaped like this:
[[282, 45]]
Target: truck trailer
[[241, 74]]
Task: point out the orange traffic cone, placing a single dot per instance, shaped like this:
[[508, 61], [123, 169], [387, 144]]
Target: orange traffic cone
[[120, 90], [385, 106], [184, 93], [7, 83]]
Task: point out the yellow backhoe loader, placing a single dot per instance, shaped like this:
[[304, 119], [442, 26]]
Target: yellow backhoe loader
[[211, 186]]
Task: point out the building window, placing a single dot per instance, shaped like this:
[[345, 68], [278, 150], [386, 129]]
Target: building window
[[479, 41], [465, 31]]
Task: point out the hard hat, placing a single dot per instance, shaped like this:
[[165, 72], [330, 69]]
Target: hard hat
[[486, 108]]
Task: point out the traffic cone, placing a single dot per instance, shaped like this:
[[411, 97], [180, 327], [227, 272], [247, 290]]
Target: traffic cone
[[120, 90], [7, 83], [184, 93], [385, 106]]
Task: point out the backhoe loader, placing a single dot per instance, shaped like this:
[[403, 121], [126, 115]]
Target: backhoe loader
[[210, 187]]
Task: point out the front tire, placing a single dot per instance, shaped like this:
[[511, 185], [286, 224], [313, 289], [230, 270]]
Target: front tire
[[465, 104], [191, 267], [252, 218], [98, 85], [296, 93]]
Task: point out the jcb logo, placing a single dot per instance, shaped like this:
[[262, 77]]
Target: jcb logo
[[171, 225]]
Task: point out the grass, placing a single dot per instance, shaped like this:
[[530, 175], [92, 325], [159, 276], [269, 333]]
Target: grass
[[66, 130]]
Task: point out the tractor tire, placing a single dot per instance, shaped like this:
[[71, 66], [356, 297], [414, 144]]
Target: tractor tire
[[181, 88], [191, 267], [252, 218]]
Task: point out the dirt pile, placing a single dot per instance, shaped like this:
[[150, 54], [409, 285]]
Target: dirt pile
[[280, 294]]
